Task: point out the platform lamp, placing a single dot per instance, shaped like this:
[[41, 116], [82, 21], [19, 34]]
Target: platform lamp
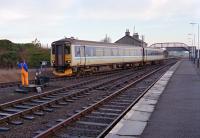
[[197, 44], [193, 45], [190, 41]]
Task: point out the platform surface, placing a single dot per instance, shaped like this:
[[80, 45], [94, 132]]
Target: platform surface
[[177, 114], [170, 109]]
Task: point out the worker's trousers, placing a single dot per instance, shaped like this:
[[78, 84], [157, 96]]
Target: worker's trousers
[[24, 77]]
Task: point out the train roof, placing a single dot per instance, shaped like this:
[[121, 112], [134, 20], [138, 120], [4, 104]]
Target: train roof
[[76, 41], [86, 42]]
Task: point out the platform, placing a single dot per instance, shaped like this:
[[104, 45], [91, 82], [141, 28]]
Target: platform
[[170, 109]]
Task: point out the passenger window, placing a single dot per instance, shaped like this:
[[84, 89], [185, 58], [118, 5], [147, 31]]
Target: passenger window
[[114, 52], [132, 52], [99, 51], [77, 51], [121, 52], [94, 51], [107, 52], [127, 53], [88, 52]]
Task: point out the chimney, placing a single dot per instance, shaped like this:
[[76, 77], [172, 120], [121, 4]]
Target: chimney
[[127, 33], [135, 35]]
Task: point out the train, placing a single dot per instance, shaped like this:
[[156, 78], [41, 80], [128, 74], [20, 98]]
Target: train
[[71, 56]]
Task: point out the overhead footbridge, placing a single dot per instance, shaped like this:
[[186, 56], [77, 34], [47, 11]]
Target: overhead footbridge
[[176, 49]]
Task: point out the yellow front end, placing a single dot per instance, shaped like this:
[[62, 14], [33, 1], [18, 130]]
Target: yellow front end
[[67, 72], [61, 59]]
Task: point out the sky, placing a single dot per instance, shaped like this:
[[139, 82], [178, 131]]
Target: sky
[[22, 21]]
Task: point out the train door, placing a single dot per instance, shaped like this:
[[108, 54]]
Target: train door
[[82, 55], [60, 55], [143, 55], [146, 55]]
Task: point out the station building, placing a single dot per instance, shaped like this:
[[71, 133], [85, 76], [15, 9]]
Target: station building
[[131, 40]]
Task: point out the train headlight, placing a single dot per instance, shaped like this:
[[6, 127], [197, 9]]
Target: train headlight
[[53, 61], [68, 61]]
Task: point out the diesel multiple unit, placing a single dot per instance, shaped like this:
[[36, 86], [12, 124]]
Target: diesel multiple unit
[[71, 56]]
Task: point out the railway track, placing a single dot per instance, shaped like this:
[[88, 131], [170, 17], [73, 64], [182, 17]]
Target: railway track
[[48, 100], [39, 105], [98, 118], [53, 79]]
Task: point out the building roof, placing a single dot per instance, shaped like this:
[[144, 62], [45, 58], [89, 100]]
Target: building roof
[[132, 40]]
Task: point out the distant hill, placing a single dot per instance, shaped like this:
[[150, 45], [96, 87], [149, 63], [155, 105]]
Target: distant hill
[[11, 53]]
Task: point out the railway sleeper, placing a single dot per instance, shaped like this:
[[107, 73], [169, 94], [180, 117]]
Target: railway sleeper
[[125, 96], [51, 96], [69, 100], [60, 120], [99, 117], [91, 124], [129, 99], [15, 122], [74, 98], [56, 106], [81, 96], [123, 101], [22, 106], [79, 125], [28, 117], [12, 110], [111, 115], [105, 110], [38, 101], [62, 103], [38, 113], [30, 104], [4, 129], [38, 132], [46, 98], [79, 132], [97, 120], [48, 109], [4, 114], [119, 103], [114, 106]]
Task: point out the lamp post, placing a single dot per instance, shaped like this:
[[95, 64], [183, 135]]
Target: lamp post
[[192, 53], [190, 41], [192, 35], [197, 44]]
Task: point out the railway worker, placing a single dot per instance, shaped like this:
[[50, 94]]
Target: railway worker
[[24, 73]]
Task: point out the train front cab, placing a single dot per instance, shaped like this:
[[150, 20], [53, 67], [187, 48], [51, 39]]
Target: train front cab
[[61, 59]]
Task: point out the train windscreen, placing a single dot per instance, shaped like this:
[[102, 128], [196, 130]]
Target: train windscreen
[[60, 55], [60, 52]]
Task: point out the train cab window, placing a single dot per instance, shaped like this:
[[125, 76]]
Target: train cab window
[[67, 49], [53, 49], [77, 51]]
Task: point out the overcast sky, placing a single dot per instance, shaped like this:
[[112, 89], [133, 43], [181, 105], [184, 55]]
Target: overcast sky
[[50, 20]]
